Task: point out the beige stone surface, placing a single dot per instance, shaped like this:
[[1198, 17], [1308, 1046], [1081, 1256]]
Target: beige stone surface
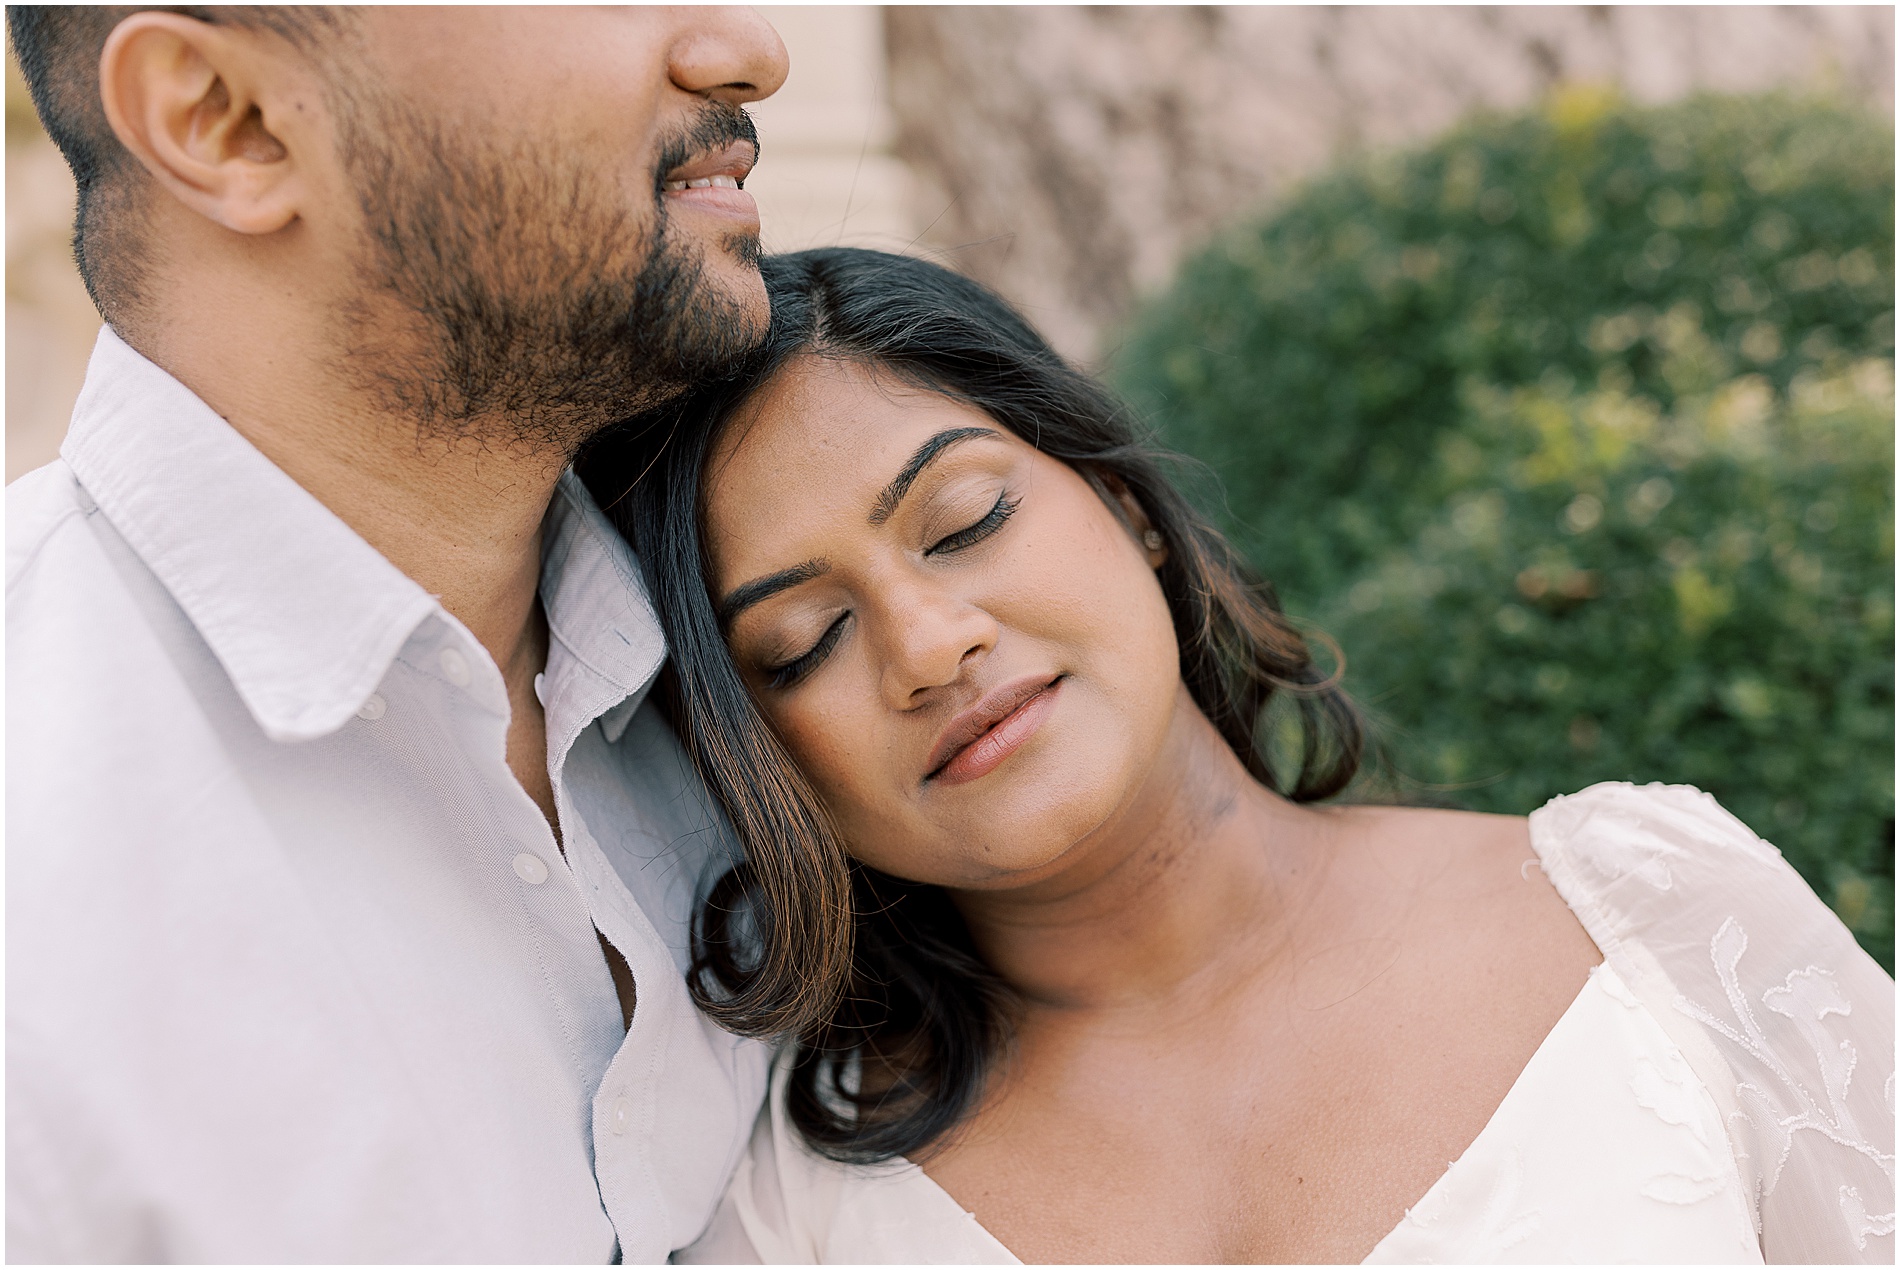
[[1070, 155], [50, 320], [827, 175]]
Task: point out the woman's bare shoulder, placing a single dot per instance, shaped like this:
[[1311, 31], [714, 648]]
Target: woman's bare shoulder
[[1435, 847], [1467, 889]]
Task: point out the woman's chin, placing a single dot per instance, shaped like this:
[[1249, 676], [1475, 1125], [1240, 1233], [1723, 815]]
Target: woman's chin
[[1027, 829], [1029, 817]]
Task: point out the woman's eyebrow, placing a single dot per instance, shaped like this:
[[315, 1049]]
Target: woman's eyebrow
[[893, 494], [745, 595]]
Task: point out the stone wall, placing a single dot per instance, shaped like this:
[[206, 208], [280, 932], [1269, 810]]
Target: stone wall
[[51, 323], [1069, 156]]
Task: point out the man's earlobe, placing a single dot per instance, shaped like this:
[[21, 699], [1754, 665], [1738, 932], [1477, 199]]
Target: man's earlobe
[[181, 96]]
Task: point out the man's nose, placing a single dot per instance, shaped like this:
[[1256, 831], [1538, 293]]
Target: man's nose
[[729, 53], [934, 640]]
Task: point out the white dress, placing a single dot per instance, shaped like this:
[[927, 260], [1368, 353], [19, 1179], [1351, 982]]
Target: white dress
[[1721, 1090]]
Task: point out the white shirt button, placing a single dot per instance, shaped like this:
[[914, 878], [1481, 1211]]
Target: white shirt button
[[623, 1114], [531, 868], [540, 689], [455, 666], [374, 708]]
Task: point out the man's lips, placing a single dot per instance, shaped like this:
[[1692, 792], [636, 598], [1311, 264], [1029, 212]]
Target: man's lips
[[712, 181], [977, 741]]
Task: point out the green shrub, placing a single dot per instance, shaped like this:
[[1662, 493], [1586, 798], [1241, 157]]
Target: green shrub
[[1704, 597], [1576, 430]]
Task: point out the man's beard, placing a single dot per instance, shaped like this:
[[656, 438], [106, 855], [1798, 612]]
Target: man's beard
[[539, 308]]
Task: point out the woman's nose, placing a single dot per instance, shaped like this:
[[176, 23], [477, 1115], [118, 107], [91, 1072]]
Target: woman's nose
[[934, 641]]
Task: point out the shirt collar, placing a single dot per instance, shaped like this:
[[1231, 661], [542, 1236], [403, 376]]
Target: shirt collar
[[303, 614], [605, 642]]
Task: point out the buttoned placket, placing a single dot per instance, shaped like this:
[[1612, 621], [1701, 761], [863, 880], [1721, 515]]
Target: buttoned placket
[[622, 1163], [443, 653], [625, 1168], [604, 653], [566, 883]]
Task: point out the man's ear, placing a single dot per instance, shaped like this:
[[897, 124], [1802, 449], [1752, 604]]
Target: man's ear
[[182, 96]]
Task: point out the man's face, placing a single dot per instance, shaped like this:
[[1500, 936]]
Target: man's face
[[553, 233]]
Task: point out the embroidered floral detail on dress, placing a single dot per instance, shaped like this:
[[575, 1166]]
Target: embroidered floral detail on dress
[[1807, 997], [1681, 1188], [1759, 1112], [1502, 1225], [1859, 1223], [1615, 988], [1674, 1096], [1671, 1096], [1792, 1036]]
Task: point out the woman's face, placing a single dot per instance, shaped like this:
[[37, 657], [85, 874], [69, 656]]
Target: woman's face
[[962, 645]]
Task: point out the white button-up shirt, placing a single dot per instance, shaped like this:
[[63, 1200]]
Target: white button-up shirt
[[295, 968]]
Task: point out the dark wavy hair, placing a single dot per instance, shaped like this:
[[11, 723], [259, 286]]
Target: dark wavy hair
[[895, 1016]]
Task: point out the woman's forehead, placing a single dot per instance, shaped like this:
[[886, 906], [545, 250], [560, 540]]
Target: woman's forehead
[[824, 413], [815, 454]]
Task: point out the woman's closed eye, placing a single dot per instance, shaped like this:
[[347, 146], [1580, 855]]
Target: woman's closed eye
[[788, 674], [970, 535]]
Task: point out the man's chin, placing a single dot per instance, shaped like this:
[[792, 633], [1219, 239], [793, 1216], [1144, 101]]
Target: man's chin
[[745, 249], [734, 270]]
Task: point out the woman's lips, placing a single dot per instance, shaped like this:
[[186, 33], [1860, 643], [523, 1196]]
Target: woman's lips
[[978, 740]]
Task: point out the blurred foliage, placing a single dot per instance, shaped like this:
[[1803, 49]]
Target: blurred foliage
[[1702, 597], [1576, 430]]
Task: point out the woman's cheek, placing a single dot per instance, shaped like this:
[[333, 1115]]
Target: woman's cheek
[[816, 739], [843, 760], [1079, 581]]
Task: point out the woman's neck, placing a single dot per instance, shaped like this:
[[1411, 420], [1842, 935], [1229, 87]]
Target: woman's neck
[[1185, 885]]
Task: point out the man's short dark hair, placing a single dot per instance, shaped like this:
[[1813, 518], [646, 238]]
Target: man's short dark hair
[[58, 49]]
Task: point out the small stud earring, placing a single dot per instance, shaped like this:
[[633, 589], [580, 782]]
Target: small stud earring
[[1152, 540]]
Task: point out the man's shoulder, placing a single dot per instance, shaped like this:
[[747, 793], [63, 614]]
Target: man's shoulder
[[90, 639], [68, 597], [39, 504]]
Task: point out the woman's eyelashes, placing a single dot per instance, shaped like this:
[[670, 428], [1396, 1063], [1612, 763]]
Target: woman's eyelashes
[[790, 673], [970, 535]]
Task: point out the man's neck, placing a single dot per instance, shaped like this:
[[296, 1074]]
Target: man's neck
[[460, 516], [466, 526]]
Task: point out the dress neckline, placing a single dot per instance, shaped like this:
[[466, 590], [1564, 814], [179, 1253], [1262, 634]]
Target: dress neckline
[[1601, 978]]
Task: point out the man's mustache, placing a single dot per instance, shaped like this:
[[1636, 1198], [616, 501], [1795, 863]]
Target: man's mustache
[[717, 125]]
